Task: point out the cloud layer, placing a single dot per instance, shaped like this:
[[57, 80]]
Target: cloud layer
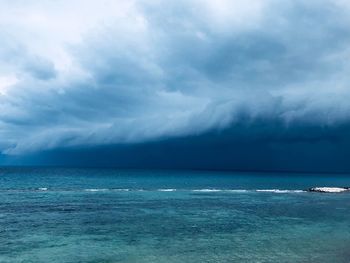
[[86, 73]]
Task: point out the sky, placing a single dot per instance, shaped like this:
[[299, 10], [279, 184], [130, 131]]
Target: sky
[[225, 84]]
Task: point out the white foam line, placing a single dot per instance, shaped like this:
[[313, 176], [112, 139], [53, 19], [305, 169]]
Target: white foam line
[[279, 191], [237, 191], [96, 190], [205, 190], [329, 189]]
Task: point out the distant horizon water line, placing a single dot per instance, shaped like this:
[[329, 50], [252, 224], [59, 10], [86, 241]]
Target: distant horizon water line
[[173, 169]]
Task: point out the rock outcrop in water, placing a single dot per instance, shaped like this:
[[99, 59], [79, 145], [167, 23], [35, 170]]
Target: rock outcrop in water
[[329, 189]]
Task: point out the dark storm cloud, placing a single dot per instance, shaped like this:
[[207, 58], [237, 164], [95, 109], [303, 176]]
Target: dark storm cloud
[[271, 72]]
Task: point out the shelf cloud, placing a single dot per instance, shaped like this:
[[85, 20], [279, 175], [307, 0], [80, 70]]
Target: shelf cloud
[[93, 73]]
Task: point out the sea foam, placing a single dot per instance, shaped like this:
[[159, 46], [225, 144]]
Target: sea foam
[[279, 191], [329, 189]]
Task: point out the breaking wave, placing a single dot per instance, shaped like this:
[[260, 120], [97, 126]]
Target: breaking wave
[[204, 190]]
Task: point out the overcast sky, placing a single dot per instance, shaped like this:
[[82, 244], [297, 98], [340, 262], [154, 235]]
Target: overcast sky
[[82, 74]]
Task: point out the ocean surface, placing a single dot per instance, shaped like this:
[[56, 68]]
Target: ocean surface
[[105, 215]]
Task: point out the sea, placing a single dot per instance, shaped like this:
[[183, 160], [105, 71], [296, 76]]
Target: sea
[[114, 215]]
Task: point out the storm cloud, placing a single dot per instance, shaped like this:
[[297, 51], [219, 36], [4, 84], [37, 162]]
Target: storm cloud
[[79, 74]]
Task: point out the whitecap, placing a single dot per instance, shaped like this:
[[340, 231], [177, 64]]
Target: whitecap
[[95, 189], [279, 191], [329, 189], [237, 190]]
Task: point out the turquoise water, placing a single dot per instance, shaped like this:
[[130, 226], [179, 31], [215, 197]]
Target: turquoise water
[[91, 215]]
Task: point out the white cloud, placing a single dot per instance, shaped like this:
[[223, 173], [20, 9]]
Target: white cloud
[[6, 82]]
